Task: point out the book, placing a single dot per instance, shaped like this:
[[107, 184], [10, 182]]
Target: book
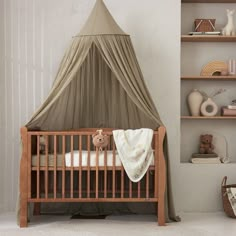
[[199, 155], [205, 33], [212, 160], [231, 106], [228, 112]]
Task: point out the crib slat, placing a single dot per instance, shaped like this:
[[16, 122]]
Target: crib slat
[[55, 167], [96, 172], [105, 173], [147, 184], [29, 167], [88, 164], [80, 166], [130, 189], [63, 164], [113, 169], [72, 164], [46, 169], [139, 189], [38, 168], [156, 161], [109, 142], [122, 181]]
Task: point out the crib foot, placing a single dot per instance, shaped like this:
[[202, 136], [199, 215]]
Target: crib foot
[[161, 215], [23, 215]]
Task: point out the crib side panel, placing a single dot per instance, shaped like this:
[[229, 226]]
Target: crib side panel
[[68, 168]]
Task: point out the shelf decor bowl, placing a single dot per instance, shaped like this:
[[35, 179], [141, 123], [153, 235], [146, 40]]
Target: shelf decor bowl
[[214, 68]]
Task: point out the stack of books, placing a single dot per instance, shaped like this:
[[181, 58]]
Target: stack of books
[[198, 158], [205, 33], [229, 110]]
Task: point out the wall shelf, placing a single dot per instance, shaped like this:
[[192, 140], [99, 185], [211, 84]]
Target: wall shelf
[[224, 165], [208, 1], [209, 78], [207, 38], [208, 118]]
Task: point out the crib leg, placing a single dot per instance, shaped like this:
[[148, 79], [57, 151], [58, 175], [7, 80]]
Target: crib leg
[[37, 206], [161, 212], [23, 213]]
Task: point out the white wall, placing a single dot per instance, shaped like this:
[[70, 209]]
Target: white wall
[[36, 33], [1, 103]]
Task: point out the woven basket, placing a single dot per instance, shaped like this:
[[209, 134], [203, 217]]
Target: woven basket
[[226, 204], [204, 25]]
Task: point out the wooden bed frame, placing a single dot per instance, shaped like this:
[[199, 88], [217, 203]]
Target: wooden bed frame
[[40, 183]]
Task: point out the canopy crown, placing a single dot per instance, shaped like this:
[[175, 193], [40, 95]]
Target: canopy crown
[[101, 22]]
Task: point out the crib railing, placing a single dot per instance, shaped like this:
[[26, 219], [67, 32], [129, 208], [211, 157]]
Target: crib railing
[[52, 180]]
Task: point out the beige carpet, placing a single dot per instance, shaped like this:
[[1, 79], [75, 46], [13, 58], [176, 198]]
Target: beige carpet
[[194, 224]]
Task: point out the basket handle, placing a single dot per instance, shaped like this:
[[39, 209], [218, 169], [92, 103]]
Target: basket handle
[[224, 181]]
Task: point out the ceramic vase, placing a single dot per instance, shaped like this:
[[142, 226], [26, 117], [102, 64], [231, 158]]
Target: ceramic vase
[[195, 99], [209, 108], [232, 67]]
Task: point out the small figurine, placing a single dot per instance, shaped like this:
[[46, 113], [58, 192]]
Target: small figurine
[[229, 29]]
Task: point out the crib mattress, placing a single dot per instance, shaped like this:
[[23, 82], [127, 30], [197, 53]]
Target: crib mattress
[[76, 158]]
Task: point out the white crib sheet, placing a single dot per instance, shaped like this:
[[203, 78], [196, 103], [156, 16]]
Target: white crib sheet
[[84, 155], [101, 159], [76, 159]]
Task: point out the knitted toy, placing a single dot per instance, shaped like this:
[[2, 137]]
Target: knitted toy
[[100, 140], [206, 146]]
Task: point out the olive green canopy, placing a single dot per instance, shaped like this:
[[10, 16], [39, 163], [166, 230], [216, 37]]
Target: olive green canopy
[[99, 82]]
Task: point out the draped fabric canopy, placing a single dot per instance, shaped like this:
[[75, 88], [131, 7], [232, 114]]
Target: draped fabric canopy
[[99, 82]]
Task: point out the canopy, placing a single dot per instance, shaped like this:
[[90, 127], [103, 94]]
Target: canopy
[[99, 82]]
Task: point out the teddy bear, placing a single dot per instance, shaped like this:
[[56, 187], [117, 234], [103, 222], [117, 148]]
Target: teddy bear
[[100, 140], [206, 146]]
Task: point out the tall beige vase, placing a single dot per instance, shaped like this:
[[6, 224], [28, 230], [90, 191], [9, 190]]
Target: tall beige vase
[[195, 100]]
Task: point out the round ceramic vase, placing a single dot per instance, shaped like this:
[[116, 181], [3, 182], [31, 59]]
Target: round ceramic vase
[[195, 99], [209, 108]]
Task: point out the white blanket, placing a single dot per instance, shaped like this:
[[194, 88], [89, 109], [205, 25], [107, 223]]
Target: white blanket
[[135, 152]]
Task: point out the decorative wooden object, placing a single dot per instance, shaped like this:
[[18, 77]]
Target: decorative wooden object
[[214, 68], [204, 25]]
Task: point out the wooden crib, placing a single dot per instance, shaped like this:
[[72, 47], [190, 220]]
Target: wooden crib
[[89, 175]]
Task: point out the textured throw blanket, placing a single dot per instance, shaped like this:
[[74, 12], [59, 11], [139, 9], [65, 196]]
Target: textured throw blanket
[[135, 152], [231, 192]]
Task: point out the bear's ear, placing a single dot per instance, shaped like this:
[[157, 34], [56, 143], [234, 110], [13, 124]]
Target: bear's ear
[[94, 135]]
